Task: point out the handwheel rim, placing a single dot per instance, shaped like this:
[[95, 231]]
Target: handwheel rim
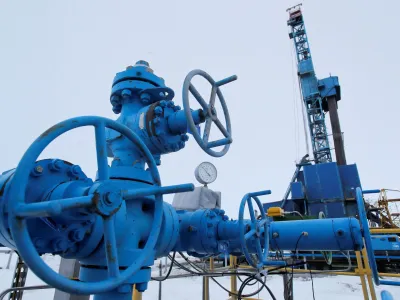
[[19, 229], [246, 199], [192, 126]]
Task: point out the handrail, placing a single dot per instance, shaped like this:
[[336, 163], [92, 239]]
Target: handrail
[[368, 241], [24, 288]]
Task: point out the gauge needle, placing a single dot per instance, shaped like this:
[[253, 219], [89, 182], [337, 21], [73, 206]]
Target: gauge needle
[[207, 172]]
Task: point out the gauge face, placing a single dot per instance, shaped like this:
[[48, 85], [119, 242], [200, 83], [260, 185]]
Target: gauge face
[[206, 173]]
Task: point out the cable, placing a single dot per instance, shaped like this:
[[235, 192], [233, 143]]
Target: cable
[[290, 281], [169, 270], [254, 277], [294, 212], [312, 283]]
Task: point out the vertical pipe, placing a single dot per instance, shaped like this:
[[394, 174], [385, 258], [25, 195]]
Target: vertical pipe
[[160, 282], [232, 264], [361, 273], [336, 131], [206, 286], [369, 276], [136, 294]]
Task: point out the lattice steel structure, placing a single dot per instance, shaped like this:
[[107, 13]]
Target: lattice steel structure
[[309, 87]]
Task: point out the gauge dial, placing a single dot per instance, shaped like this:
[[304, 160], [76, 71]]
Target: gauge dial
[[206, 173]]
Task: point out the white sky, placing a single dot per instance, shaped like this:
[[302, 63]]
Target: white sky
[[58, 60]]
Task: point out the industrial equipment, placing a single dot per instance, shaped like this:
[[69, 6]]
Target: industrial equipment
[[117, 224]]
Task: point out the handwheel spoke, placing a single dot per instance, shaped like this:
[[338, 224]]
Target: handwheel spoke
[[221, 127], [213, 95], [198, 97], [52, 208], [207, 128], [101, 149], [251, 211], [143, 192], [262, 223], [249, 234], [259, 249], [110, 244]]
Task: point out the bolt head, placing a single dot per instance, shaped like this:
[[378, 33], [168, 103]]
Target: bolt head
[[126, 93], [142, 62], [37, 171], [163, 103], [115, 100], [77, 235], [177, 108], [117, 109], [75, 170], [56, 165], [156, 121], [158, 110], [170, 104], [184, 137]]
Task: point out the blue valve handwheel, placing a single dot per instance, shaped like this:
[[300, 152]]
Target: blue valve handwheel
[[257, 229], [19, 209], [209, 112]]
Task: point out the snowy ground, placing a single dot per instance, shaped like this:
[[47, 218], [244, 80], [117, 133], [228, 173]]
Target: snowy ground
[[326, 287]]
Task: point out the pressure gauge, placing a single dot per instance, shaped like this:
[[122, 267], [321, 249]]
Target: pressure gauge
[[206, 173]]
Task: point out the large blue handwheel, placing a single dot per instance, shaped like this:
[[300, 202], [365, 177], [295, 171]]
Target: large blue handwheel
[[210, 113], [257, 229], [19, 210]]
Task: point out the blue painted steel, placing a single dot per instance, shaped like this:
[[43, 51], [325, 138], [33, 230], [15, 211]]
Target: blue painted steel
[[209, 112], [118, 225], [100, 201], [368, 241], [386, 243], [297, 190], [145, 106], [339, 234], [329, 87], [255, 229], [309, 87], [385, 295]]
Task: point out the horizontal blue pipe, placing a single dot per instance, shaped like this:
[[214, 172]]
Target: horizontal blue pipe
[[136, 193], [390, 282], [54, 207], [371, 191], [339, 234]]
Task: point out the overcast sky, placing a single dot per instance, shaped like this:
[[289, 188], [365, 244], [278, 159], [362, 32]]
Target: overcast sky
[[58, 59]]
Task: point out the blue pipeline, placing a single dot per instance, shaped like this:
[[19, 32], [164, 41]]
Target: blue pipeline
[[341, 234]]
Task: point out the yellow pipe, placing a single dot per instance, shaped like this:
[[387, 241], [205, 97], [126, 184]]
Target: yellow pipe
[[232, 264], [136, 295], [384, 230], [369, 275], [362, 278]]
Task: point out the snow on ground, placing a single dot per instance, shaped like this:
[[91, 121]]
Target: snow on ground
[[326, 287]]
